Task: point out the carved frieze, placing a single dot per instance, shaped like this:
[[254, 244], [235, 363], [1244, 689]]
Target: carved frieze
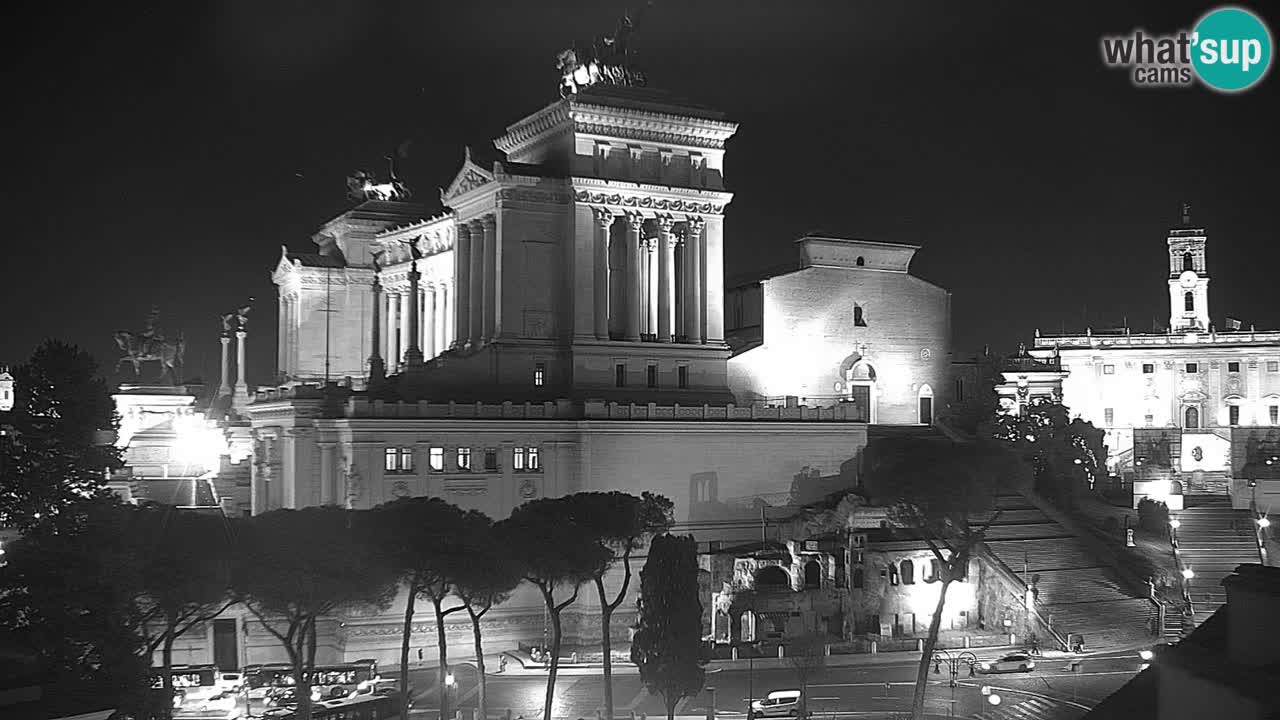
[[647, 202]]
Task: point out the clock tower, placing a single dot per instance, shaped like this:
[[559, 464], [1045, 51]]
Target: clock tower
[[1188, 277]]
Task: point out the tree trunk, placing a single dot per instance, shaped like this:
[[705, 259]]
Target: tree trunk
[[443, 671], [480, 687], [404, 651], [606, 646], [671, 703], [301, 679], [307, 657], [167, 655], [922, 672], [555, 657]]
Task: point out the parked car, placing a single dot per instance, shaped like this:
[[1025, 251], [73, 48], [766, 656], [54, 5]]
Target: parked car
[[1013, 662], [780, 703]]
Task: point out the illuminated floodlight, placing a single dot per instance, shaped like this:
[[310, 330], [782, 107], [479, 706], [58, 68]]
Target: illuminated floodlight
[[1175, 523], [1188, 573], [993, 698], [1146, 654], [1264, 522], [450, 680]]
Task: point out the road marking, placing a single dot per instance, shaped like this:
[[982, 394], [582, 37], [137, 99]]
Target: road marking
[[1031, 694]]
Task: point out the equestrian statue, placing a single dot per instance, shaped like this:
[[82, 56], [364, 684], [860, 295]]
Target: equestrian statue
[[151, 345]]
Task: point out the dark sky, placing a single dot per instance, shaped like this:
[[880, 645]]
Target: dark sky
[[161, 154]]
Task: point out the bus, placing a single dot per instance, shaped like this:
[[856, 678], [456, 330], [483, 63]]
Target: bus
[[356, 707], [190, 682], [274, 682]]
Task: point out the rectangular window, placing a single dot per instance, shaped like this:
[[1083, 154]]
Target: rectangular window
[[539, 374], [1233, 415], [490, 460], [534, 462], [1273, 366], [1108, 369], [1110, 417], [1273, 413], [389, 460], [620, 375], [682, 377], [517, 459], [464, 458], [1148, 368], [651, 376], [406, 459], [1149, 420], [397, 460], [1192, 368], [436, 459], [959, 390], [1233, 367]]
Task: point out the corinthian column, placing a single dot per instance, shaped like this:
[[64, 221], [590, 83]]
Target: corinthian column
[[634, 223], [666, 278], [413, 354], [462, 281], [430, 348], [604, 221], [242, 387], [393, 336], [693, 298], [405, 315], [651, 286], [476, 321], [377, 368], [491, 291], [225, 387]]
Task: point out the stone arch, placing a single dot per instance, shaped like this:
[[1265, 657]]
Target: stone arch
[[859, 578], [812, 575], [860, 261], [924, 403], [772, 577], [908, 570], [1191, 417], [1189, 301], [1188, 261]]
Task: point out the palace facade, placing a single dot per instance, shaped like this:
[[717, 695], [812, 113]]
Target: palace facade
[[559, 325], [1195, 410]]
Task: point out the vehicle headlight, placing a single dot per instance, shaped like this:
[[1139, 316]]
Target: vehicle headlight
[[1146, 654], [985, 665]]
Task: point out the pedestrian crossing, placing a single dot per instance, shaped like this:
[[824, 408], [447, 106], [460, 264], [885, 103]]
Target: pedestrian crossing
[[1028, 709]]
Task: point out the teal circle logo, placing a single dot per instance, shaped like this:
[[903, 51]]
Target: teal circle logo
[[1231, 49]]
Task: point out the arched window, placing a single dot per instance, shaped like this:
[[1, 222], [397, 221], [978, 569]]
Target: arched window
[[1189, 302], [931, 575], [861, 262], [1192, 418], [858, 319], [908, 572], [812, 574], [772, 577], [859, 580], [893, 574], [925, 403], [1188, 261]]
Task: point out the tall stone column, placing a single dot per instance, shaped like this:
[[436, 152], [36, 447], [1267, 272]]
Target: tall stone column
[[282, 343], [446, 317], [634, 223], [393, 334], [491, 290], [405, 315], [413, 353], [476, 323], [462, 282], [242, 388], [429, 346], [377, 368], [604, 221], [652, 276], [666, 279], [328, 474], [224, 389], [693, 300]]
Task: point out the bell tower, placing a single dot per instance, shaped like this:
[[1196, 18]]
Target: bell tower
[[1188, 277]]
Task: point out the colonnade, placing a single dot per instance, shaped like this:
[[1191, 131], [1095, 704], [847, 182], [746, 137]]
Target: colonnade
[[395, 314], [650, 278], [475, 266]]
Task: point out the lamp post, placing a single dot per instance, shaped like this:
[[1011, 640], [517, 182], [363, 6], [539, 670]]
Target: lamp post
[[953, 663], [1174, 524], [1187, 575]]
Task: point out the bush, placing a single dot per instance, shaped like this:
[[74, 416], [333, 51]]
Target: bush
[[1153, 516]]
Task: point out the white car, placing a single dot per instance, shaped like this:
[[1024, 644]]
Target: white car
[[780, 703], [1014, 662]]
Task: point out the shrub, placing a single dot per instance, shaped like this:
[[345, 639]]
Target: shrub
[[1153, 516]]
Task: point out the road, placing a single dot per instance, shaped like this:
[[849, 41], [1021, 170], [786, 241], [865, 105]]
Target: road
[[1052, 691]]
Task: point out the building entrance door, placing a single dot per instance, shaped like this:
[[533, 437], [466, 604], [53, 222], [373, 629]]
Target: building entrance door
[[860, 398], [226, 652], [926, 411]]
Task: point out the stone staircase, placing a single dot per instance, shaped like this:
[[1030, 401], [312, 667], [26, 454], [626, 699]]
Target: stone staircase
[[1213, 539], [1077, 593]]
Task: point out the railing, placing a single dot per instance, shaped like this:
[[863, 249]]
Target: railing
[[1124, 338]]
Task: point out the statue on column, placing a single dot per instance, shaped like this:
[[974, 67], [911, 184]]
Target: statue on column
[[242, 316]]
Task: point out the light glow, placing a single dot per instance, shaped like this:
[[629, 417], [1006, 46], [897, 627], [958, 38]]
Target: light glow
[[1146, 654], [1175, 523], [1264, 522], [1188, 573]]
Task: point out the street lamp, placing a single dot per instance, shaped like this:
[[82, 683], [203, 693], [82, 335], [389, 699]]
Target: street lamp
[[1174, 524], [953, 663]]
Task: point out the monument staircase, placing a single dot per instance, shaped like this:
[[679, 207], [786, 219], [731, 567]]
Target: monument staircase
[[1075, 591], [1213, 539]]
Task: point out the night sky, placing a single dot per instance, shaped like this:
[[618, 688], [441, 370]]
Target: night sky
[[160, 154]]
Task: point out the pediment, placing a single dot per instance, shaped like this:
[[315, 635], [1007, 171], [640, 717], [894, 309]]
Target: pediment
[[284, 267], [469, 177]]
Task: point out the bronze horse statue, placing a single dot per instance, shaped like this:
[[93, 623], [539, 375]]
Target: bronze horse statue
[[139, 348]]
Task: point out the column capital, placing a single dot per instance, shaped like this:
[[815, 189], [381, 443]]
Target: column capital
[[695, 223], [604, 217], [241, 334], [476, 225], [463, 230], [635, 221], [666, 223], [489, 222]]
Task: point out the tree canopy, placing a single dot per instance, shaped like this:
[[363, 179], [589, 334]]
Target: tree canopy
[[667, 646], [1066, 455], [55, 450]]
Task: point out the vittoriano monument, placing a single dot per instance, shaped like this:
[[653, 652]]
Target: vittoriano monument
[[150, 344], [608, 61]]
